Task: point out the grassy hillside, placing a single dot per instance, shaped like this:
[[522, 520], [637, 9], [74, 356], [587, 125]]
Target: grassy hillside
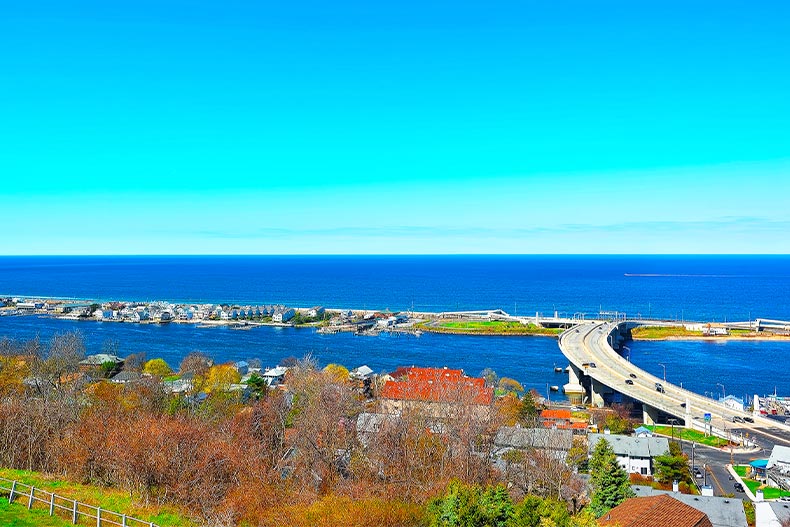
[[16, 514]]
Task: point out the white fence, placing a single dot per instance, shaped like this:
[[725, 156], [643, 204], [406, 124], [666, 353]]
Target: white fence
[[71, 508]]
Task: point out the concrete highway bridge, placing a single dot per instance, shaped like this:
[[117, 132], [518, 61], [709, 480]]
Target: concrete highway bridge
[[598, 374]]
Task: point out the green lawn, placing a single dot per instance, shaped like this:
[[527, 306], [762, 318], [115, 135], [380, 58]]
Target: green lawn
[[662, 332], [688, 434], [109, 499], [769, 493], [497, 326], [17, 515]]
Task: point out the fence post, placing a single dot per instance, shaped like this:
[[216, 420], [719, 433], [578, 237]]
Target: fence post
[[74, 515], [30, 499], [123, 520], [11, 495], [98, 516], [52, 504]]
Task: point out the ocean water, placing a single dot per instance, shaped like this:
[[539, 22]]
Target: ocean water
[[674, 287]]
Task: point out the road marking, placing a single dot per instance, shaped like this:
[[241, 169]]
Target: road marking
[[715, 479]]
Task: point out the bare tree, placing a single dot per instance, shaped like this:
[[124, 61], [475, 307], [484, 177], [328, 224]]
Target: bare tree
[[57, 369]]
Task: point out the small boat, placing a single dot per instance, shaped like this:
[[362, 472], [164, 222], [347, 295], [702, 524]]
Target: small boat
[[557, 369], [554, 388]]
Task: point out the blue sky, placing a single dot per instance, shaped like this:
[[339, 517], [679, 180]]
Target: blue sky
[[154, 127]]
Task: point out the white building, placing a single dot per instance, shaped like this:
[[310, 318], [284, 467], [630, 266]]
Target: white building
[[634, 454], [283, 314]]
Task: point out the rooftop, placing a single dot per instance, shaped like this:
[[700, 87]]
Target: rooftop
[[654, 511]]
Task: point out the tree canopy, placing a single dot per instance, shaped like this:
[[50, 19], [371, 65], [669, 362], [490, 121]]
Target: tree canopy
[[608, 479]]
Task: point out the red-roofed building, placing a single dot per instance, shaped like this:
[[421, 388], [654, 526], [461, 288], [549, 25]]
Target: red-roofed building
[[435, 390], [561, 420], [653, 511]]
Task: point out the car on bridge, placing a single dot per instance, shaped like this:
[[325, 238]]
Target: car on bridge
[[659, 387], [629, 381], [633, 375]]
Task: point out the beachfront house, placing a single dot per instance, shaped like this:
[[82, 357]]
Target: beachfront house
[[634, 454], [283, 314], [315, 311]]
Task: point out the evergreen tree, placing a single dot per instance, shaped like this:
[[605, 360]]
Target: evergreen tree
[[672, 466], [609, 481], [529, 410]]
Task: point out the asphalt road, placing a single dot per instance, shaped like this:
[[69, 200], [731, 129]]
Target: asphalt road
[[588, 347]]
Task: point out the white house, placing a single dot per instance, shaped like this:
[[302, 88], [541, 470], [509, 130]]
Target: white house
[[283, 314], [634, 454], [361, 373], [274, 376], [778, 468], [315, 311], [771, 513], [732, 402]]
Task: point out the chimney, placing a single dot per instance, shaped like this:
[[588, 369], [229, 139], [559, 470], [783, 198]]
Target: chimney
[[675, 486], [606, 431]]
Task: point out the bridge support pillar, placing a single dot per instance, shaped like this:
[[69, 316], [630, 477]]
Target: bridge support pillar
[[596, 393], [574, 389], [649, 414]]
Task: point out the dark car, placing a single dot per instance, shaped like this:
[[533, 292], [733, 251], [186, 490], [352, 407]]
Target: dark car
[[629, 381], [748, 419], [738, 487], [633, 375]]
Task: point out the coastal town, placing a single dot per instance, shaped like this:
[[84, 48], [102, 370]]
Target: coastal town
[[514, 432]]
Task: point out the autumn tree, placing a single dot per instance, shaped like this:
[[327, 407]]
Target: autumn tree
[[338, 371], [220, 377], [157, 367], [508, 385], [134, 362], [60, 362], [196, 362]]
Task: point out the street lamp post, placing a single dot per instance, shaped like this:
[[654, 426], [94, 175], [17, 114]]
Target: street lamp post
[[665, 371], [723, 391]]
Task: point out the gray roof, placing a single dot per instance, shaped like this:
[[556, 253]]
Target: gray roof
[[723, 512], [543, 438], [363, 372], [368, 424], [781, 510], [126, 376], [99, 359], [644, 447], [371, 423]]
